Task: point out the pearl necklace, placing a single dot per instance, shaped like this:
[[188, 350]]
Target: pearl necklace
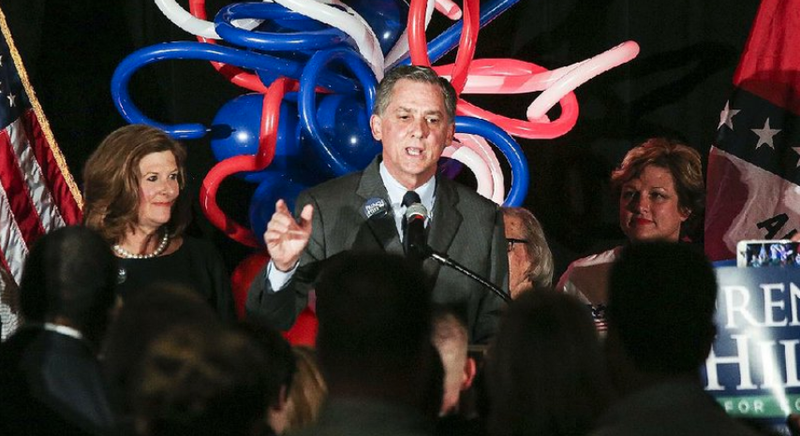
[[157, 252]]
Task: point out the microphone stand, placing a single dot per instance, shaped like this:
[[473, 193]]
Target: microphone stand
[[425, 251]]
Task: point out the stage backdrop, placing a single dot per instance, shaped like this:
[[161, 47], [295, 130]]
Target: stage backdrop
[[676, 86]]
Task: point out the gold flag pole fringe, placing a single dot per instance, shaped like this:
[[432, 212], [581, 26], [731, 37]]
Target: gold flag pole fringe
[[37, 108]]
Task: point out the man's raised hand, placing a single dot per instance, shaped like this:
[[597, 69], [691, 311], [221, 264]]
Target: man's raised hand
[[285, 237]]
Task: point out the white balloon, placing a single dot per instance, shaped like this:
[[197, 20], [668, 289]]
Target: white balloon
[[477, 155], [191, 24], [347, 20], [510, 83], [401, 47], [449, 9], [186, 21], [579, 74]]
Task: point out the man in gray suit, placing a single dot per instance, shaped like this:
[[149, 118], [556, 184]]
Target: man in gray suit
[[414, 118]]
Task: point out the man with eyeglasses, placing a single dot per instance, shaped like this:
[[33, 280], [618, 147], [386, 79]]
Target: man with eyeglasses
[[530, 262]]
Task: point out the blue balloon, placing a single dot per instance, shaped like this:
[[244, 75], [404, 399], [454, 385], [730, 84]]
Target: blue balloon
[[520, 178], [331, 161], [345, 122], [274, 186], [272, 41], [209, 52], [387, 18], [236, 128]]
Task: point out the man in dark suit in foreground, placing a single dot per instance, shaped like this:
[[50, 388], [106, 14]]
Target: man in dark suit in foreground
[[384, 376], [413, 117], [50, 379]]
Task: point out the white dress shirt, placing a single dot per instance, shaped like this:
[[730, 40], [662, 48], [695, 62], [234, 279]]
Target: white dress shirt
[[278, 279]]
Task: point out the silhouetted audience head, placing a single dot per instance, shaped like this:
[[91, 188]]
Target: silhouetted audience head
[[661, 307], [202, 382], [450, 337], [308, 391], [793, 423], [530, 261], [69, 279], [546, 373], [144, 316], [278, 372], [374, 325]]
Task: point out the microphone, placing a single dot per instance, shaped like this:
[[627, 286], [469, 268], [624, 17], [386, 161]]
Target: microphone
[[415, 247], [414, 243], [375, 207]]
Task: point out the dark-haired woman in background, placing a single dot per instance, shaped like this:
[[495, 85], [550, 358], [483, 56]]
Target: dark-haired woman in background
[[134, 196]]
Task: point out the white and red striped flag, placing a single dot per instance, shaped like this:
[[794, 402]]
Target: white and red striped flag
[[37, 192], [753, 180]]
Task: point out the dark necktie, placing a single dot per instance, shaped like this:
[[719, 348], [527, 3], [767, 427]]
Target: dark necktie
[[410, 198]]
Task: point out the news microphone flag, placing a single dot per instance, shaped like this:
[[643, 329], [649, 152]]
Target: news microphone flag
[[753, 181], [37, 191]]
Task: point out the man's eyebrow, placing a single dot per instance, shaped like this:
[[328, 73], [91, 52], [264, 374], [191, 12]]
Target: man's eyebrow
[[426, 112]]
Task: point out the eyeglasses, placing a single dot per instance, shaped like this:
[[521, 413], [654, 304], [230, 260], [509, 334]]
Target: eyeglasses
[[512, 241]]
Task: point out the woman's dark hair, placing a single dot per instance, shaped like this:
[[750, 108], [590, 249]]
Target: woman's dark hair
[[201, 382], [145, 315]]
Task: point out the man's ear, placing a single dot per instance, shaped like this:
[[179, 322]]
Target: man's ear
[[278, 412], [283, 400], [375, 126], [451, 134], [470, 369]]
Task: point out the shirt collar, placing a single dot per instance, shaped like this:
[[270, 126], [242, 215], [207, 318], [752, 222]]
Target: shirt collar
[[64, 330], [397, 191]]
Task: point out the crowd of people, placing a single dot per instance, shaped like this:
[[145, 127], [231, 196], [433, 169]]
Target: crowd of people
[[129, 325]]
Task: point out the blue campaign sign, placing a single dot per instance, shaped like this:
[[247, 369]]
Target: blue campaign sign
[[752, 368]]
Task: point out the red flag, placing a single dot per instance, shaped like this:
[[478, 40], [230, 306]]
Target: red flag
[[754, 166], [37, 192]]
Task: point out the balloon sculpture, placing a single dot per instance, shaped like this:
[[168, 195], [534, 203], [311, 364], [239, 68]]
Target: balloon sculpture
[[312, 67]]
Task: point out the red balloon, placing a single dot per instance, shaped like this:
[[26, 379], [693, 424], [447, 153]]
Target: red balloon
[[243, 275], [304, 330], [232, 165]]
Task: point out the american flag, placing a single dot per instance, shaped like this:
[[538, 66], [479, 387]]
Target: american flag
[[754, 166], [37, 192]]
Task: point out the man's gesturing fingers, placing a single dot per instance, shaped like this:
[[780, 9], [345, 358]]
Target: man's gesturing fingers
[[286, 238]]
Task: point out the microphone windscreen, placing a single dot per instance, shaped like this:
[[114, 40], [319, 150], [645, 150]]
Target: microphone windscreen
[[416, 210]]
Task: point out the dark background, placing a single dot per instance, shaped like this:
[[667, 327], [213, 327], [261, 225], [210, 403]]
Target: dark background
[[677, 86]]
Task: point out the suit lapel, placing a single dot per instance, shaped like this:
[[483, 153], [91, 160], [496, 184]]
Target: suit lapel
[[445, 223], [383, 230]]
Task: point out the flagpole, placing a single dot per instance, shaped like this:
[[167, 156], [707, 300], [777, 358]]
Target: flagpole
[[37, 108]]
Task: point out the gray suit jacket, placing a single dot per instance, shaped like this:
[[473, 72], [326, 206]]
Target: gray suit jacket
[[466, 226]]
